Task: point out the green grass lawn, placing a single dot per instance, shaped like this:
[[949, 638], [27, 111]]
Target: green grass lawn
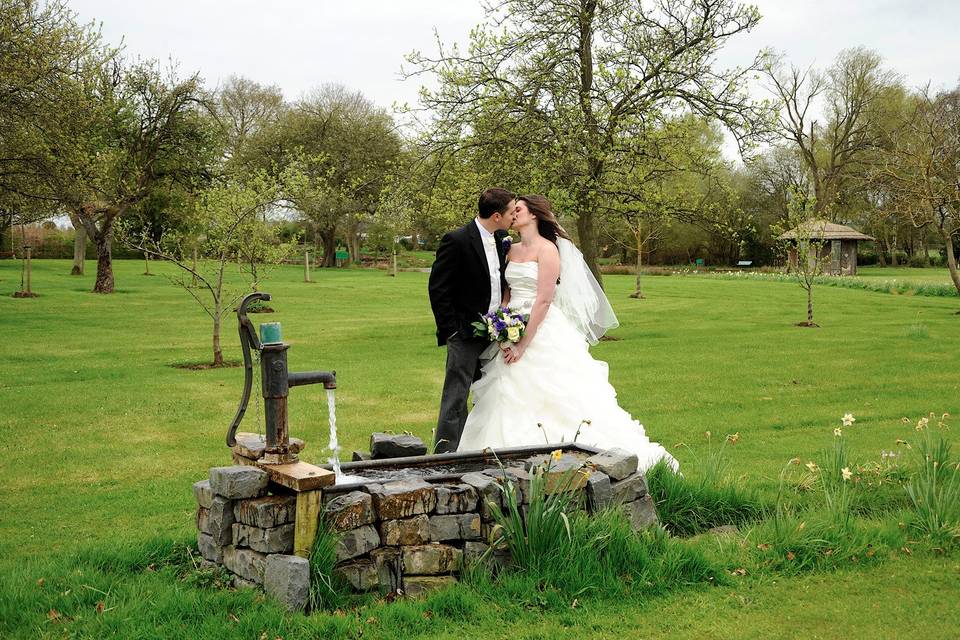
[[104, 437], [938, 275]]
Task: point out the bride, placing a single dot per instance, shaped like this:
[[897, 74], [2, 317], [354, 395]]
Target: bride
[[546, 388]]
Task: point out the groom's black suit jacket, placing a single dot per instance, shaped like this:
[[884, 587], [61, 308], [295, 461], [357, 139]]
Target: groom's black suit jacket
[[460, 281]]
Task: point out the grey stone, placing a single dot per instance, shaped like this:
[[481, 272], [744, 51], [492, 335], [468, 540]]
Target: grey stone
[[240, 583], [488, 491], [389, 569], [456, 498], [217, 521], [431, 559], [287, 578], [616, 463], [518, 477], [385, 445], [357, 542], [253, 446], [459, 526], [246, 563], [628, 490], [349, 511], [361, 574], [272, 540], [361, 456], [238, 481], [473, 553], [642, 513], [209, 549], [404, 498], [566, 462], [203, 493], [599, 491], [266, 512], [416, 586], [415, 530]]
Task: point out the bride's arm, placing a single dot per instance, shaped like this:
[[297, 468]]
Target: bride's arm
[[547, 273]]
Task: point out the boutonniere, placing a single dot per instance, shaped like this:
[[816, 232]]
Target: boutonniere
[[507, 241]]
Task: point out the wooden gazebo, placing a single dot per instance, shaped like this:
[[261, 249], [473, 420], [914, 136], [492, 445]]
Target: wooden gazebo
[[836, 241]]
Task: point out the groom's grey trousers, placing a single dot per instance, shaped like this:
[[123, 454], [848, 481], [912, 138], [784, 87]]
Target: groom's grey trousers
[[463, 367]]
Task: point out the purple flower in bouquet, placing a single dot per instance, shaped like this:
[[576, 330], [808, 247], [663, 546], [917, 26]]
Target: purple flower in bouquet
[[500, 325]]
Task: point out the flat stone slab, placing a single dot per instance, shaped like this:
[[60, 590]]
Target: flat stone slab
[[361, 574], [272, 540], [415, 530], [629, 489], [385, 445], [349, 511], [488, 491], [253, 445], [357, 542], [387, 562], [416, 586], [642, 513], [616, 463], [457, 526], [266, 512], [456, 498], [287, 578], [404, 498], [217, 520], [203, 493], [238, 481], [430, 560], [246, 563], [209, 549]]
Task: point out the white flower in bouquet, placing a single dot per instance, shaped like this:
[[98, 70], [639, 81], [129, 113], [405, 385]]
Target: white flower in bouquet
[[513, 333]]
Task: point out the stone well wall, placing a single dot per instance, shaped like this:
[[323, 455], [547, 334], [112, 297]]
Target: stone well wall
[[405, 536]]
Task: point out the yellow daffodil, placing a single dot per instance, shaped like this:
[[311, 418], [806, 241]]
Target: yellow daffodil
[[556, 454], [812, 466]]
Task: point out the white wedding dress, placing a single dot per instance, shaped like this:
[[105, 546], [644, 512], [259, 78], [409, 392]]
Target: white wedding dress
[[556, 384]]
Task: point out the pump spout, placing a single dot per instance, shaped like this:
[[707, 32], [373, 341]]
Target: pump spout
[[328, 378]]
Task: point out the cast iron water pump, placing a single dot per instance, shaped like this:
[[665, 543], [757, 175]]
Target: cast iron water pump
[[275, 381]]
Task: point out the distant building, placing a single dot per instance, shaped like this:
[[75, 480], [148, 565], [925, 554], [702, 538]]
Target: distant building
[[835, 241]]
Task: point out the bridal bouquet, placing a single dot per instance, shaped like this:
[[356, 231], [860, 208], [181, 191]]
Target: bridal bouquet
[[501, 325]]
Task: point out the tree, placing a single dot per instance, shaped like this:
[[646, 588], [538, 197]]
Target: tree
[[572, 85], [851, 92], [920, 169], [120, 132], [808, 251], [229, 219]]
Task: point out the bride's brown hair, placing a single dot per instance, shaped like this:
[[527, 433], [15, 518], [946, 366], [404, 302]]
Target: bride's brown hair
[[547, 223]]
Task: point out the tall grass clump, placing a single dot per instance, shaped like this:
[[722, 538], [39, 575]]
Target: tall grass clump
[[704, 497], [326, 592], [934, 488]]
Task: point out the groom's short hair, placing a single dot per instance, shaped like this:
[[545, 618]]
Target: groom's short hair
[[493, 201]]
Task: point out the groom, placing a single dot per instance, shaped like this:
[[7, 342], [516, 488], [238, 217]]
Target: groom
[[467, 281]]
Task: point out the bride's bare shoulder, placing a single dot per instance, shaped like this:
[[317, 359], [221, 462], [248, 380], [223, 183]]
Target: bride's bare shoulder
[[547, 250]]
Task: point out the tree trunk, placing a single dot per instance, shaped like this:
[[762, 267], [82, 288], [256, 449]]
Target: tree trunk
[[79, 246], [146, 264], [217, 351], [194, 283], [104, 241], [951, 258], [810, 305], [329, 239], [639, 291], [881, 253]]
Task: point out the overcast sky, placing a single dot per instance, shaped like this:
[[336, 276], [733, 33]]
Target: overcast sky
[[301, 44]]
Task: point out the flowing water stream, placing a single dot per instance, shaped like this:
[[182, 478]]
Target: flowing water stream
[[334, 445]]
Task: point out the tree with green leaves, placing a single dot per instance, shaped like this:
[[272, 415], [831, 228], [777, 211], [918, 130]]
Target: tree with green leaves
[[572, 87], [807, 253], [230, 221]]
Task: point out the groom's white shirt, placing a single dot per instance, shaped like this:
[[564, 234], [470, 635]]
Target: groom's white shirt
[[493, 264]]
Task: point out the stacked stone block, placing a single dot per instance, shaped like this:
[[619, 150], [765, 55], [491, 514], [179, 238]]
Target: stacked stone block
[[250, 533], [406, 536]]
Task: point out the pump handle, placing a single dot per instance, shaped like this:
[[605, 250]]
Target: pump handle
[[248, 338]]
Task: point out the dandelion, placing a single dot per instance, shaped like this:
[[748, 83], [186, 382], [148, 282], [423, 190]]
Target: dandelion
[[847, 474], [812, 466], [837, 432], [848, 419]]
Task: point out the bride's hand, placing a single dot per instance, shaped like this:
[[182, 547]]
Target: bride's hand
[[514, 352]]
